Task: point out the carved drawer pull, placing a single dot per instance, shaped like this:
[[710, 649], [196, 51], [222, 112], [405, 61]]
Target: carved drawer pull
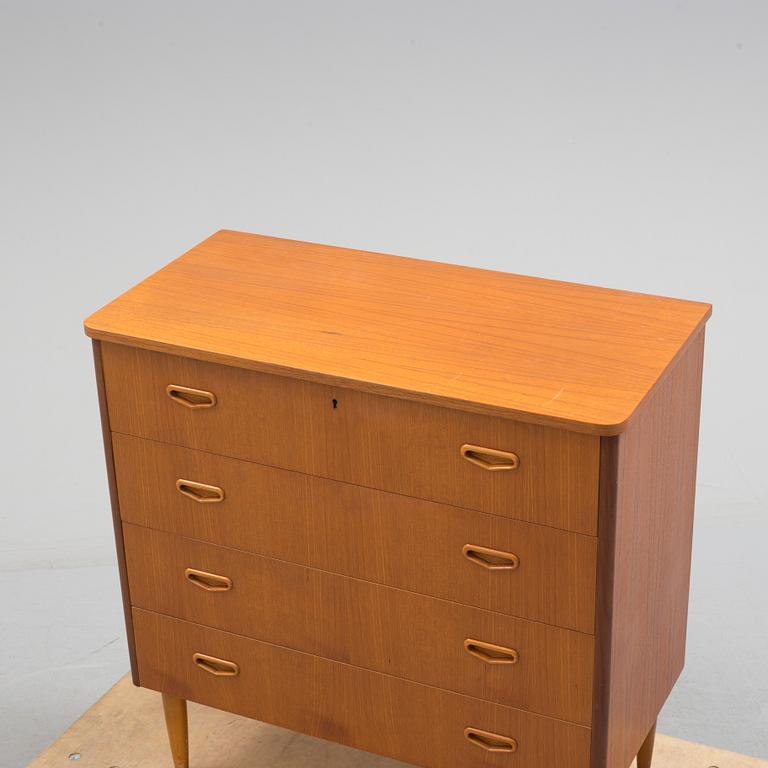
[[490, 653], [491, 559], [210, 582], [490, 458], [214, 666], [190, 398], [200, 492], [490, 742]]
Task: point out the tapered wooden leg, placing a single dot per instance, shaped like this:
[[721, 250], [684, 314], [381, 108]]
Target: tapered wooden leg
[[178, 734], [645, 754]]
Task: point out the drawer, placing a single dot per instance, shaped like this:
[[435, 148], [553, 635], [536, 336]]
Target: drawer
[[363, 709], [373, 535], [498, 658], [375, 441]]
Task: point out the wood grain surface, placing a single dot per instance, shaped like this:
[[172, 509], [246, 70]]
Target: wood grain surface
[[544, 351], [177, 725], [125, 728], [644, 562], [344, 434], [388, 630], [115, 505], [322, 401], [339, 702], [381, 537]]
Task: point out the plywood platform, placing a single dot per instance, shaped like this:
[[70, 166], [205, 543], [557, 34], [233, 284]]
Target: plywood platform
[[125, 730]]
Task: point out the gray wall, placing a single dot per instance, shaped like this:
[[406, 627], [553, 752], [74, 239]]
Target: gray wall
[[616, 143]]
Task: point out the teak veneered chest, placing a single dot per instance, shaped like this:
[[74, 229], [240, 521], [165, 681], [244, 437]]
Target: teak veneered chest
[[438, 513]]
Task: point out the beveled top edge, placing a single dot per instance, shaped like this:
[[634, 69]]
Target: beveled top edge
[[362, 301]]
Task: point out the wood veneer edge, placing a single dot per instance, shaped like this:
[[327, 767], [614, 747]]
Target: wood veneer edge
[[115, 504], [606, 551], [329, 379], [375, 388], [665, 372]]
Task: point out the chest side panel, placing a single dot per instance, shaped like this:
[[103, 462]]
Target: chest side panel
[[648, 479]]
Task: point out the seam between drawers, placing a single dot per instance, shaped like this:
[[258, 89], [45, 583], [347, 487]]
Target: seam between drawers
[[358, 485], [366, 669], [352, 578]]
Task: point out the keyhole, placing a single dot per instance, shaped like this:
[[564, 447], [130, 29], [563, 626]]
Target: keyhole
[[335, 402]]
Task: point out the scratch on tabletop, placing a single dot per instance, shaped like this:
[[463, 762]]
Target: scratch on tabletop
[[552, 399]]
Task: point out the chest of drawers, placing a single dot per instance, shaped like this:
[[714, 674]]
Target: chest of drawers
[[436, 513]]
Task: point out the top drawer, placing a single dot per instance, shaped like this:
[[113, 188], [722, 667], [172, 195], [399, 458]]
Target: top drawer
[[371, 440]]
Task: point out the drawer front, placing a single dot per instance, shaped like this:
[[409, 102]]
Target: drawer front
[[381, 537], [375, 441], [498, 658], [363, 709]]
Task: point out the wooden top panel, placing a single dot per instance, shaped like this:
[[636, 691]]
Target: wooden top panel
[[537, 350]]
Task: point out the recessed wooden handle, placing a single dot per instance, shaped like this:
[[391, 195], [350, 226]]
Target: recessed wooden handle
[[490, 458], [491, 559], [490, 742], [200, 492], [490, 653], [190, 398], [214, 666], [210, 582]]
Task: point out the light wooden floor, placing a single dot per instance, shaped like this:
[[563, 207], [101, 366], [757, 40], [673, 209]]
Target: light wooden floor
[[125, 730]]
